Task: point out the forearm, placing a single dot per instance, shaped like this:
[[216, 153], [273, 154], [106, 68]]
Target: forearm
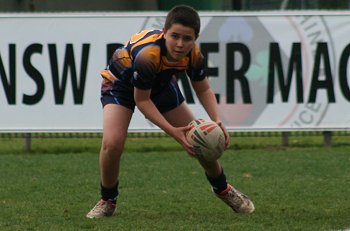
[[147, 107], [208, 100], [151, 113]]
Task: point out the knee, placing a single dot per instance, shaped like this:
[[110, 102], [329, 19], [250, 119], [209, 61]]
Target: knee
[[112, 147]]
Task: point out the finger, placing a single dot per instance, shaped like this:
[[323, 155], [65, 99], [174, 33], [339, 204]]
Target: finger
[[187, 128], [191, 154], [226, 134], [190, 151], [227, 142], [227, 139]]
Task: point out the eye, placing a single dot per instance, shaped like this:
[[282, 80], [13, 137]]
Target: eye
[[175, 36], [188, 38]]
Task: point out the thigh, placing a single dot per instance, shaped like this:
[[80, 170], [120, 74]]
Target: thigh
[[117, 92], [179, 116], [116, 120]]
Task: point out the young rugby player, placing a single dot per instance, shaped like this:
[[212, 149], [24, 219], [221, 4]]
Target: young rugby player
[[143, 74]]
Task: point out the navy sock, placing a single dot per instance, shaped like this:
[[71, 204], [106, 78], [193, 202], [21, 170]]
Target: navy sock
[[110, 193], [219, 183]]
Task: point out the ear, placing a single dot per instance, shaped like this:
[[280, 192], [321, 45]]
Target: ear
[[164, 31]]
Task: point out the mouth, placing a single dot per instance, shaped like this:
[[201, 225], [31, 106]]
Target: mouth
[[177, 55], [178, 52]]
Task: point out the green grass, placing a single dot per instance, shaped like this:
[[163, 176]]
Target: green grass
[[302, 187]]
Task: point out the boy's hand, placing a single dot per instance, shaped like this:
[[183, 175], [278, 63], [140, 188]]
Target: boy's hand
[[227, 136], [179, 134]]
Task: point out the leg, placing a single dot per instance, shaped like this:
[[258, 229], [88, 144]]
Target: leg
[[116, 120], [182, 116]]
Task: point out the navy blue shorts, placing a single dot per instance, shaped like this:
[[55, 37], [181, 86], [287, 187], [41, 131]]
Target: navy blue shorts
[[121, 93]]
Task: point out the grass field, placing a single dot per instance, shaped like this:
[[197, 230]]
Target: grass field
[[303, 187]]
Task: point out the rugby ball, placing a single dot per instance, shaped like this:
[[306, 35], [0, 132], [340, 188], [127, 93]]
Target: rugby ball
[[207, 138]]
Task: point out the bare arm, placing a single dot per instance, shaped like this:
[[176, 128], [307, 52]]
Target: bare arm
[[147, 107], [207, 98]]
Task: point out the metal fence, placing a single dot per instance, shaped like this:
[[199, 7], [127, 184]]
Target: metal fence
[[329, 139]]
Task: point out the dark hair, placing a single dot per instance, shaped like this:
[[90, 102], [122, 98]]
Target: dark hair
[[184, 15]]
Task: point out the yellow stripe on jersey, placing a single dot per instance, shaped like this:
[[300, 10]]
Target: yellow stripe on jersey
[[140, 39], [136, 37], [181, 65], [122, 59]]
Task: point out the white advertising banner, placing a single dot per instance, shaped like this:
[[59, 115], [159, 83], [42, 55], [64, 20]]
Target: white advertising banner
[[269, 71]]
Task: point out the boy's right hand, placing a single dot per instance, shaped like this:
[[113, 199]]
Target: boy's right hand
[[179, 134]]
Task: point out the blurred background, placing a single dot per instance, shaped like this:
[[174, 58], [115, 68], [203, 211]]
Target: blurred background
[[164, 5], [38, 6]]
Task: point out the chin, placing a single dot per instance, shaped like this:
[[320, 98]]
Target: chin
[[177, 57]]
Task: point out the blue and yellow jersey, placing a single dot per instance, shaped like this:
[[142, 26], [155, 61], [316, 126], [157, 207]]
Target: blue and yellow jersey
[[142, 62]]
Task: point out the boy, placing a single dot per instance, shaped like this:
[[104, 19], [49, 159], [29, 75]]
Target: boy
[[142, 74]]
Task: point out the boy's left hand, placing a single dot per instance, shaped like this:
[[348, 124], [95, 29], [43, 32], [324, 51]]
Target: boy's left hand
[[227, 136]]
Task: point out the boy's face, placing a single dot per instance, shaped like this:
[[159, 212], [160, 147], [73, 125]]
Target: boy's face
[[179, 40]]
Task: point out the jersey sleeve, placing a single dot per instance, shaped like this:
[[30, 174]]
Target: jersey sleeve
[[146, 65], [197, 69]]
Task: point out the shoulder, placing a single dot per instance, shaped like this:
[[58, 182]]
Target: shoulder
[[146, 45], [196, 56], [148, 59], [145, 36]]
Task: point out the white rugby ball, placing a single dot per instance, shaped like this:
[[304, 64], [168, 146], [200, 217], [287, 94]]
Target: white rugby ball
[[207, 138]]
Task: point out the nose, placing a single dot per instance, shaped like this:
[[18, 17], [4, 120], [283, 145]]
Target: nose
[[180, 42]]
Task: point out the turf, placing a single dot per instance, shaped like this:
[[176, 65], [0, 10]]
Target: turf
[[294, 188]]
